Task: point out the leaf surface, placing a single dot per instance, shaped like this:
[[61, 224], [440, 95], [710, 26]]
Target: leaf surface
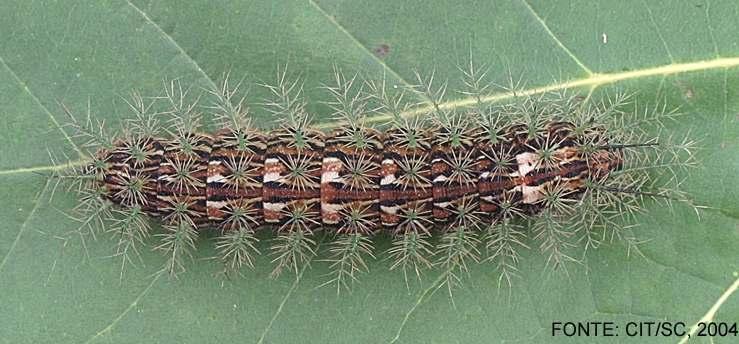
[[75, 52]]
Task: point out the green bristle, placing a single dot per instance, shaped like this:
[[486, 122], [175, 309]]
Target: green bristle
[[177, 243], [292, 250], [411, 250], [347, 259]]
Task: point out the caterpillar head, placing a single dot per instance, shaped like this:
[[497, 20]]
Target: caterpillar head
[[603, 162]]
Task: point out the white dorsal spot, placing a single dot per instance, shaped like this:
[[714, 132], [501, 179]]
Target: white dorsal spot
[[527, 162]]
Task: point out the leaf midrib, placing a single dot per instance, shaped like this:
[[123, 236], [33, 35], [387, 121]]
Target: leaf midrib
[[591, 82]]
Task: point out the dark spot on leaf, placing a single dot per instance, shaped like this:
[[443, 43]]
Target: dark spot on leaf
[[381, 50]]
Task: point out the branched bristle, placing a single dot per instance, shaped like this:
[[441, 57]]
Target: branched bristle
[[184, 177], [360, 172], [236, 249], [594, 215], [548, 158], [455, 129], [510, 208], [534, 114], [457, 248], [92, 212], [558, 199], [415, 218], [347, 260], [413, 167], [181, 109], [655, 172], [432, 93], [137, 151], [554, 239], [475, 85], [504, 240], [180, 211], [146, 122], [293, 250], [243, 172], [177, 243], [301, 171], [349, 102], [513, 85], [643, 120], [133, 192], [131, 228], [463, 167], [78, 176], [229, 105], [286, 100], [387, 102], [91, 132], [604, 215], [409, 133], [411, 251]]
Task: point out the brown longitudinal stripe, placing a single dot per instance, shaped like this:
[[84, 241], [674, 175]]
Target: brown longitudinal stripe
[[495, 185], [134, 162], [603, 162], [154, 153], [454, 174], [569, 176], [517, 138], [117, 173], [559, 133], [183, 175], [350, 181], [406, 189], [511, 171], [292, 178], [235, 172]]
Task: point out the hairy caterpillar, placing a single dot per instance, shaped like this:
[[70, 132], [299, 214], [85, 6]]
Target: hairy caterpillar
[[556, 169]]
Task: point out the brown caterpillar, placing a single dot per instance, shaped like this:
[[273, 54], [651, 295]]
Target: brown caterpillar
[[568, 170], [270, 179]]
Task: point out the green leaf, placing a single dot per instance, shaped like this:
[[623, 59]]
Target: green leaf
[[72, 52]]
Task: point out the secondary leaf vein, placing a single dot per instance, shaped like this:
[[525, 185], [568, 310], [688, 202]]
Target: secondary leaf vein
[[37, 203], [657, 30], [711, 314], [282, 305], [125, 311], [434, 285], [174, 43], [38, 102], [555, 39], [364, 49]]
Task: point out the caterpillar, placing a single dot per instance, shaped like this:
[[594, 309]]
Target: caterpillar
[[450, 185]]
